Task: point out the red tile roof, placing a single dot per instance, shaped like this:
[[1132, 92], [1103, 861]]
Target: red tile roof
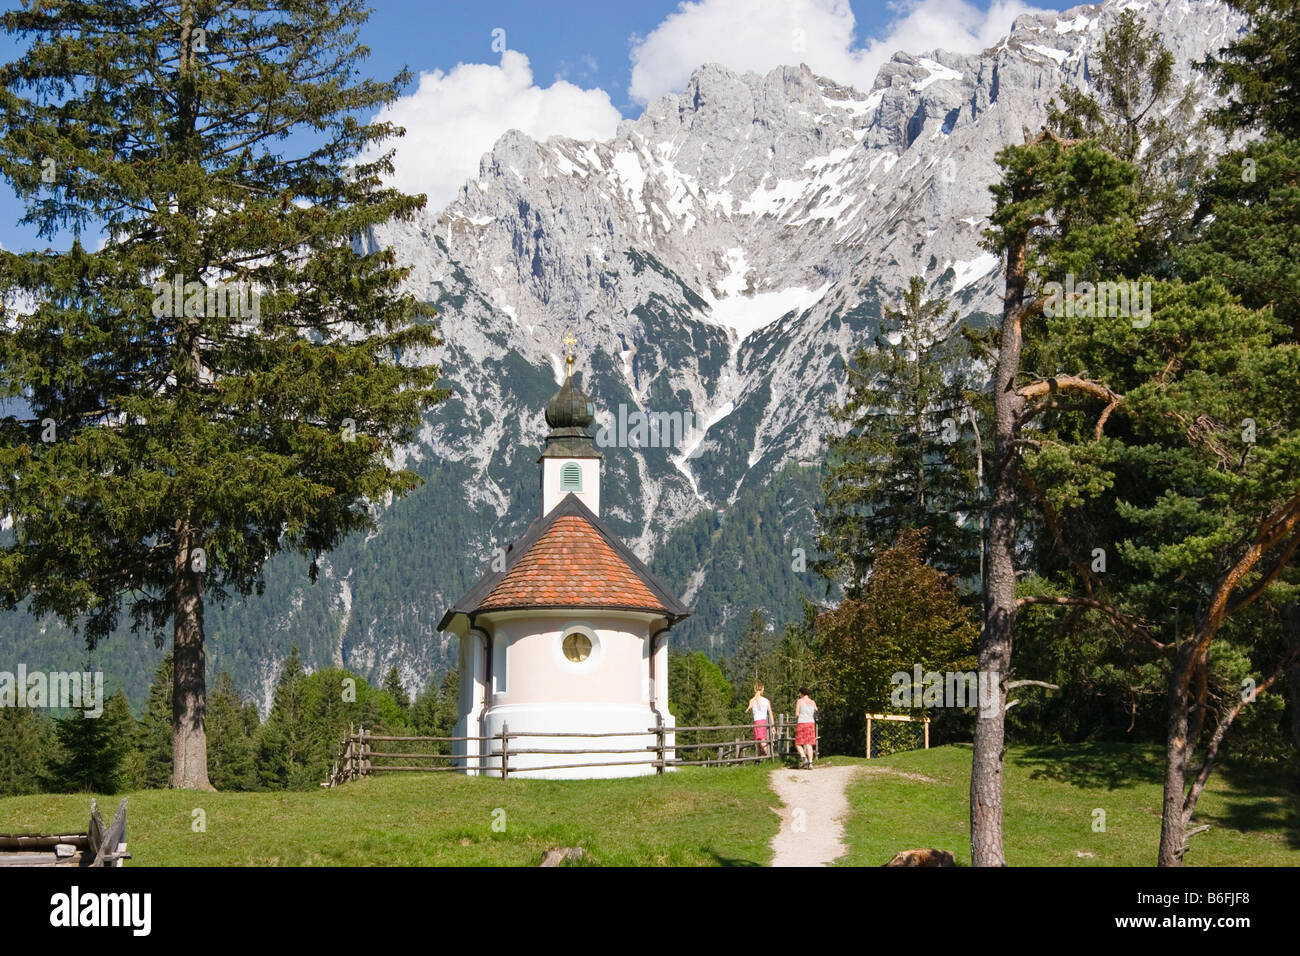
[[568, 558], [571, 565]]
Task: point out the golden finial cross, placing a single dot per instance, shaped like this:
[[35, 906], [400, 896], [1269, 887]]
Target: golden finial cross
[[570, 340]]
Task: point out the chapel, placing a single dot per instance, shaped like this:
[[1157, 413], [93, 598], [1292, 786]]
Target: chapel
[[568, 634]]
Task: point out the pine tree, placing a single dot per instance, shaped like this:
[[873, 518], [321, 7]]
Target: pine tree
[[1062, 208], [227, 377], [909, 457], [1251, 210], [1199, 513], [1144, 454]]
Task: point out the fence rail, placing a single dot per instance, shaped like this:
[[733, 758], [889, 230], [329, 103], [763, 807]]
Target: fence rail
[[500, 757]]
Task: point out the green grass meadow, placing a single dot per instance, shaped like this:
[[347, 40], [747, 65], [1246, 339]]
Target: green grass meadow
[[1050, 795], [697, 817]]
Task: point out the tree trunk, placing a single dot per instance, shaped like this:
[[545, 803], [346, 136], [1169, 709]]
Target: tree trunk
[[1000, 586], [1178, 748], [189, 690], [1291, 631]]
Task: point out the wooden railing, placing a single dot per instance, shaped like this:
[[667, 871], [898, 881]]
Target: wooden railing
[[363, 753]]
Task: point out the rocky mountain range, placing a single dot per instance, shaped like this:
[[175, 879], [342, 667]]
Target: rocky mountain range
[[717, 260]]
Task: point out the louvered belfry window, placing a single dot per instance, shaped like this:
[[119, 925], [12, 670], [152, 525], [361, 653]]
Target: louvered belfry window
[[571, 477]]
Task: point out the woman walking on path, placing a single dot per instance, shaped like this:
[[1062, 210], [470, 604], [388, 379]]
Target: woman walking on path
[[760, 709], [805, 728]]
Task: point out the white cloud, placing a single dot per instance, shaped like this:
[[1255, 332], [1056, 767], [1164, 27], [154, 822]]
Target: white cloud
[[759, 35], [453, 118]]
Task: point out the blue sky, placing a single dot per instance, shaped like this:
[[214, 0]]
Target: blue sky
[[576, 68]]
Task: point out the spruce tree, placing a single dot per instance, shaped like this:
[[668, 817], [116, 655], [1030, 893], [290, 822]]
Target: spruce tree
[[393, 687], [27, 741], [908, 457], [154, 739], [284, 742], [1137, 108], [227, 376], [424, 711], [1259, 70], [699, 695], [232, 729], [448, 711], [90, 750], [747, 665]]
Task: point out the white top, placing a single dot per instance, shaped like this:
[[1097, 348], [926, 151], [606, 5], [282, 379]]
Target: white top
[[805, 713], [760, 708]]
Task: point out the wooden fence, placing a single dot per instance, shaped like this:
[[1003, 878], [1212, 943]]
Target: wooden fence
[[100, 845], [363, 752]]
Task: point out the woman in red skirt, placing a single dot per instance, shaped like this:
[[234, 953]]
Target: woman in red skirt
[[805, 728], [760, 708]]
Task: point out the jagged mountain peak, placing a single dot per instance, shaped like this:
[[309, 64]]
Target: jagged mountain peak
[[723, 253]]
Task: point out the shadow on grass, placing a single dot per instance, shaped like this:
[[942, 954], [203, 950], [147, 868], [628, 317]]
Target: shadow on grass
[[1257, 799], [731, 861], [1248, 798], [1094, 766]]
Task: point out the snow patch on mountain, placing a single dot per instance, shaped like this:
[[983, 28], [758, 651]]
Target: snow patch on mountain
[[744, 315], [968, 272]]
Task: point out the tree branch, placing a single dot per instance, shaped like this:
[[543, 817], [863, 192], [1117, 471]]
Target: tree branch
[[1115, 615], [1221, 730], [1272, 529], [1269, 577]]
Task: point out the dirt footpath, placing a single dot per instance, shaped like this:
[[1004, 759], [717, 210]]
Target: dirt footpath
[[812, 820]]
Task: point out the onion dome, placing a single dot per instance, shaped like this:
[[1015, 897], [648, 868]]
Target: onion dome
[[570, 408], [569, 414]]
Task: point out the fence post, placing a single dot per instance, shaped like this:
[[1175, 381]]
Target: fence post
[[659, 744], [927, 733], [868, 736], [505, 751]]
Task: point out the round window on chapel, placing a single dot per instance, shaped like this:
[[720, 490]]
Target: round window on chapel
[[577, 647]]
